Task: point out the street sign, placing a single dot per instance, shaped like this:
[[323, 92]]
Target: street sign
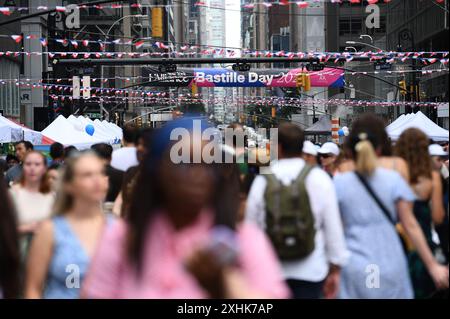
[[382, 66], [76, 87], [86, 86], [221, 77]]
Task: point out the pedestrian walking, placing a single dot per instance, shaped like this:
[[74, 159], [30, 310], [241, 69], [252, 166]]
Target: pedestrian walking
[[428, 209], [305, 227], [180, 238], [61, 251], [15, 172], [371, 200], [9, 248]]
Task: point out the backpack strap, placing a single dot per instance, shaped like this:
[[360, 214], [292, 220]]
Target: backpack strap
[[299, 192], [273, 189]]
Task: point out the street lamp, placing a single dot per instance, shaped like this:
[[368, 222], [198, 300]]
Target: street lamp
[[365, 44], [347, 48], [362, 36], [107, 34]]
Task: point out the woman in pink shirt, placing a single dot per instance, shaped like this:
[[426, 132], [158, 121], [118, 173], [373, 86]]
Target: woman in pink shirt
[[181, 239]]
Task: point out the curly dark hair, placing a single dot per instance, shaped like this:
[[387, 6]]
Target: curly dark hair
[[412, 146]]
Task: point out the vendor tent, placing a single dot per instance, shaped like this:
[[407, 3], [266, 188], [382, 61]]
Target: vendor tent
[[63, 131], [10, 132], [20, 132], [420, 121], [321, 127], [80, 123]]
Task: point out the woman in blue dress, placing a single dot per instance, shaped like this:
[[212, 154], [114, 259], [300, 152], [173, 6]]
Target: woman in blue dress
[[62, 248], [378, 266]]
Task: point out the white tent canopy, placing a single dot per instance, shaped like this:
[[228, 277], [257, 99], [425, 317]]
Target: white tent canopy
[[63, 131], [13, 132], [420, 121], [100, 133]]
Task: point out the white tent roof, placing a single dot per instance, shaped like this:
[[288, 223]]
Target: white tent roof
[[80, 123], [422, 122], [19, 133], [397, 122], [63, 131]]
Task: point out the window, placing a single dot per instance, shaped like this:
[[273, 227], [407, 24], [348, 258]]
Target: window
[[350, 26]]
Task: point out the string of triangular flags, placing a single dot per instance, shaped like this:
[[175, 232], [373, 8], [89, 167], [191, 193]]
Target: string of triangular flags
[[258, 101], [57, 81], [9, 10]]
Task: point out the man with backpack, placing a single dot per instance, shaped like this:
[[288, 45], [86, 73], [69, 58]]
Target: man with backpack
[[296, 205]]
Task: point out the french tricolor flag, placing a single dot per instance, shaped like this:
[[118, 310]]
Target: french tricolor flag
[[5, 11], [161, 45], [43, 41], [139, 44], [17, 38]]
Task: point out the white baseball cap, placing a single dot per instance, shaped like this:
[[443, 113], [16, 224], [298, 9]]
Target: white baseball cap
[[436, 150], [329, 148], [309, 148]]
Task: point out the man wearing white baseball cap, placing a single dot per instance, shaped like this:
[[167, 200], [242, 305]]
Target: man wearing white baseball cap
[[440, 161], [439, 157], [328, 154], [309, 153]]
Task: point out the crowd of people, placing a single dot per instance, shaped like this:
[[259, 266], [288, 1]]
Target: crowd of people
[[368, 219]]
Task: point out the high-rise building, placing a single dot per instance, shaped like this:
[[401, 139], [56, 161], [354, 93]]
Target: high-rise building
[[11, 68], [349, 28], [421, 26]]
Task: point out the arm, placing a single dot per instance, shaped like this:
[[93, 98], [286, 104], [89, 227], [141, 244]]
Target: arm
[[402, 168], [336, 250], [438, 272], [103, 278], [117, 208], [38, 261], [28, 228], [437, 207]]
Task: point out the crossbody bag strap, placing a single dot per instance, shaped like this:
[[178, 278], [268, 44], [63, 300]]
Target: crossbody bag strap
[[375, 198]]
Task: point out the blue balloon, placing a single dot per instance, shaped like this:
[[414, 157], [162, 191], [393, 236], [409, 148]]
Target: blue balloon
[[341, 132], [90, 129]]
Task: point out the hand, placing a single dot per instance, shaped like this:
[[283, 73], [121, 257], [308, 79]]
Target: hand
[[208, 272], [331, 286], [28, 228], [439, 274]]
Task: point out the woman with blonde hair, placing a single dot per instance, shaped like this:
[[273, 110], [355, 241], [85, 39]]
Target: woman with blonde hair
[[371, 200], [62, 248], [428, 209]]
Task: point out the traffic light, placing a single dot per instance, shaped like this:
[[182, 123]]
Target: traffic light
[[139, 122], [299, 80], [402, 85], [274, 112], [194, 88], [306, 81]]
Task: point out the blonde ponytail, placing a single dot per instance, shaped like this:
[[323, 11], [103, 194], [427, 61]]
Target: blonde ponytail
[[366, 159]]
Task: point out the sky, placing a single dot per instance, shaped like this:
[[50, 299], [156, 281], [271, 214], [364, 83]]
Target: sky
[[233, 23]]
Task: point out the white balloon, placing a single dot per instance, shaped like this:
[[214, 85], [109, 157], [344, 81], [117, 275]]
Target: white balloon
[[78, 126]]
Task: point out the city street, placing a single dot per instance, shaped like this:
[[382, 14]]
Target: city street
[[224, 149]]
